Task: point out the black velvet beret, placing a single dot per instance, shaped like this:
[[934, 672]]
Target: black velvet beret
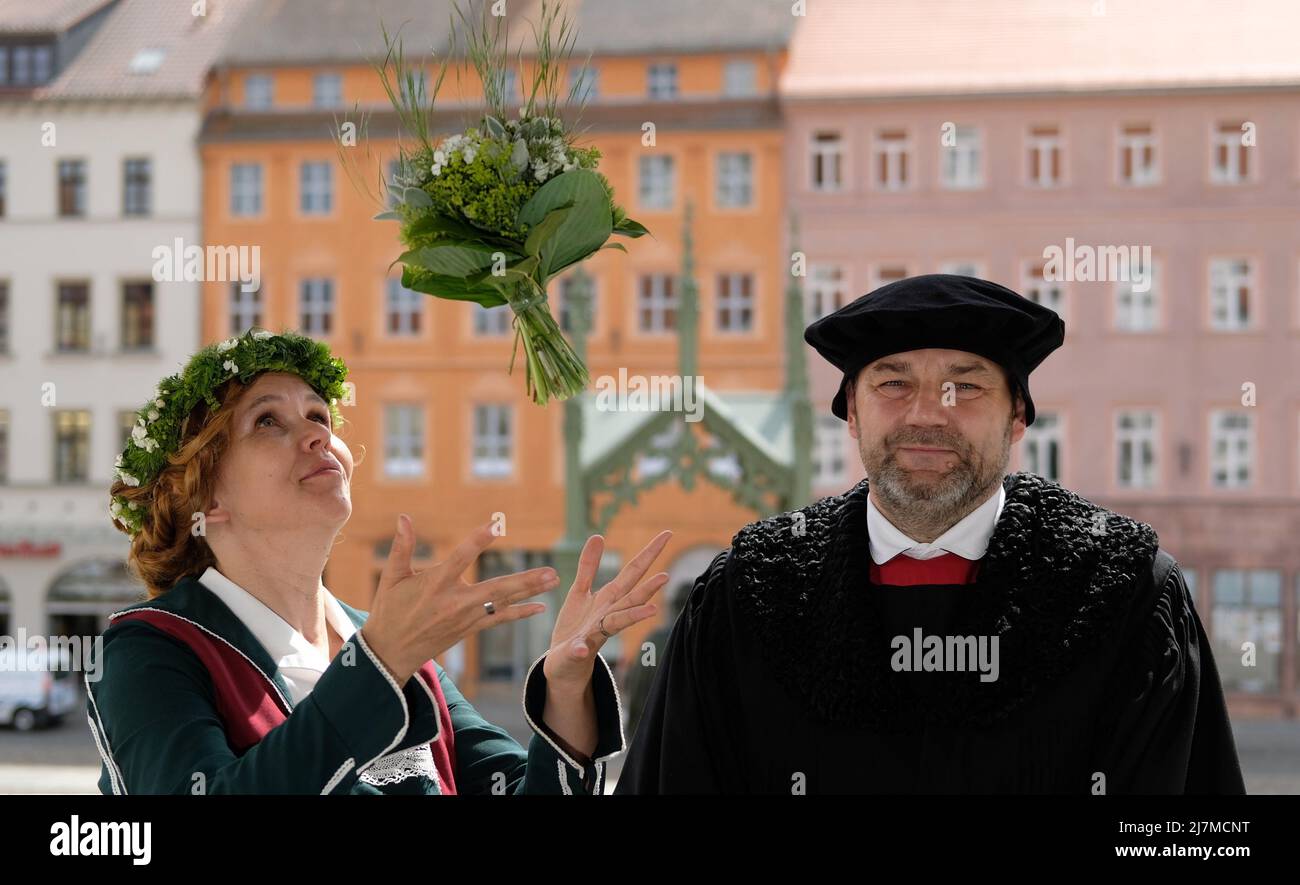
[[938, 311]]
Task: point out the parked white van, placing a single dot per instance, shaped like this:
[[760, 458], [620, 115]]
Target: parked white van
[[35, 695]]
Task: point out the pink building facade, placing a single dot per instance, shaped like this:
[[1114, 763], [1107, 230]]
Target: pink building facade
[[1176, 396]]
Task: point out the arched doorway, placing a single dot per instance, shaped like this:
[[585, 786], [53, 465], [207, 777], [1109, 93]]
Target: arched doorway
[[83, 595]]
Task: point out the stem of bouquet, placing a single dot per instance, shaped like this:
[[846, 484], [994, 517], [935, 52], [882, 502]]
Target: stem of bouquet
[[551, 368]]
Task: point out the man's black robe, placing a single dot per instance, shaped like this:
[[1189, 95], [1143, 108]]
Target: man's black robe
[[777, 676]]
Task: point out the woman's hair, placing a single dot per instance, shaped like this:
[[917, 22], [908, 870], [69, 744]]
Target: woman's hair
[[167, 548]]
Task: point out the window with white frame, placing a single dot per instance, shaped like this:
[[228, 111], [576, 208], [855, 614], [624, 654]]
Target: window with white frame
[[493, 440], [567, 284], [137, 313], [825, 293], [739, 77], [1049, 293], [892, 151], [661, 81], [71, 445], [259, 92], [316, 308], [827, 155], [327, 90], [491, 322], [962, 160], [1136, 445], [1247, 607], [1232, 449], [656, 302], [246, 189], [962, 268], [829, 467], [1041, 446], [1043, 144], [584, 82], [316, 187], [1136, 298], [1232, 294], [1137, 155], [1229, 154], [735, 302], [735, 179], [137, 186], [655, 175], [245, 308], [403, 440], [404, 309]]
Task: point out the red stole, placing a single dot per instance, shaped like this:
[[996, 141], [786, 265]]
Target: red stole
[[248, 702], [906, 571]]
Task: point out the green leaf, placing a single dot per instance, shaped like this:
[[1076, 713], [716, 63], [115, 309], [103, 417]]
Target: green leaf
[[454, 260], [453, 288], [539, 238], [388, 216], [614, 245], [494, 127], [417, 198], [584, 229], [629, 228]]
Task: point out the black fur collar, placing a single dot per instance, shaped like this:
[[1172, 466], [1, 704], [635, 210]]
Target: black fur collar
[[1058, 572]]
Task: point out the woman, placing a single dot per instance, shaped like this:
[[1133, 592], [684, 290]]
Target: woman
[[242, 673]]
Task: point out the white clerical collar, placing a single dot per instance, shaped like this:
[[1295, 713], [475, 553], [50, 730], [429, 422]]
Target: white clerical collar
[[286, 645], [968, 538]]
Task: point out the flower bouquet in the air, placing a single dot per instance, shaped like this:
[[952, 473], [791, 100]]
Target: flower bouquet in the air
[[492, 213]]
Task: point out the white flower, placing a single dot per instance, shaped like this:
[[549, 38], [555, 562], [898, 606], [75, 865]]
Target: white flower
[[149, 444], [153, 414], [229, 366], [138, 432], [439, 157], [118, 462], [436, 169], [158, 403], [127, 478], [467, 154], [227, 344], [259, 335], [133, 505]]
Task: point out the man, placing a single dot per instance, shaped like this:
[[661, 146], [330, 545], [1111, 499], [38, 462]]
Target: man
[[942, 627]]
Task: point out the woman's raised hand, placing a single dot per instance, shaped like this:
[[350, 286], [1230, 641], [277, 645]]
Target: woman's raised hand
[[417, 615]]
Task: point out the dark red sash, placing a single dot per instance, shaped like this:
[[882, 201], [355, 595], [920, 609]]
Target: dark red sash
[[906, 571], [249, 703]]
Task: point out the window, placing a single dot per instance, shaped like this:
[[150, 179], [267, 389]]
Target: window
[[4, 316], [567, 285], [327, 90], [1135, 310], [492, 321], [825, 290], [1232, 288], [735, 187], [71, 445], [1230, 155], [32, 65], [1136, 444], [656, 302], [316, 188], [317, 307], [1044, 146], [4, 187], [137, 315], [245, 308], [72, 188], [137, 187], [962, 164], [259, 92], [739, 76], [147, 60], [403, 440], [492, 440], [4, 65], [1247, 608], [1232, 449], [1049, 293], [735, 302], [1041, 446], [246, 189], [404, 309], [72, 322], [828, 465], [886, 274], [961, 268], [1137, 156], [42, 64], [4, 446], [584, 82], [661, 81], [827, 154], [655, 182], [892, 153]]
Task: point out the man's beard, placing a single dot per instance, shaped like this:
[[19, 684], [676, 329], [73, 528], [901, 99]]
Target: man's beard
[[929, 500]]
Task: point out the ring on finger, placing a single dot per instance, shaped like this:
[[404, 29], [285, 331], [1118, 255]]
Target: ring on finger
[[490, 607], [601, 627]]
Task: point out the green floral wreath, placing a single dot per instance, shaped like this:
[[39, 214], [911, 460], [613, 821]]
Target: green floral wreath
[[157, 431]]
